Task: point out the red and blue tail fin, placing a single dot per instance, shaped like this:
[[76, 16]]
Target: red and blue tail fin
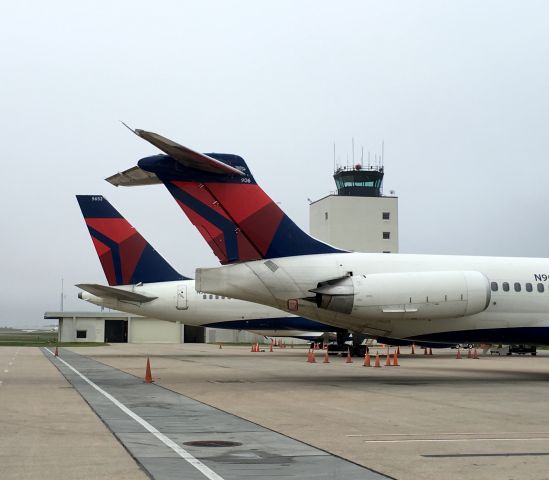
[[235, 216], [126, 257]]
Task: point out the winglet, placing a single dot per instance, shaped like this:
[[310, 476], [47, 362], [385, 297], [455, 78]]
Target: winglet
[[184, 155], [114, 293], [133, 177]]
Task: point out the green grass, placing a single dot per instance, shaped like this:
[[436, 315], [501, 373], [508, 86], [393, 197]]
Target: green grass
[[18, 338]]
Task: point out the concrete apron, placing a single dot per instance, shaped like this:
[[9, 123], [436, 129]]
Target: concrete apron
[[173, 436]]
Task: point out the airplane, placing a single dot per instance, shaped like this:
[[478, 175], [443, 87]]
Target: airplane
[[142, 282], [270, 260]]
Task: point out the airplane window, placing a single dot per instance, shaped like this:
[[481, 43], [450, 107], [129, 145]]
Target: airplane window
[[517, 287], [204, 296], [494, 286], [528, 287], [217, 297], [505, 286], [541, 288], [211, 296]]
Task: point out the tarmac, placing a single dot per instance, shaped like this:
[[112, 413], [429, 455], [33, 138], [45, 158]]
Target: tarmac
[[431, 417], [47, 430]]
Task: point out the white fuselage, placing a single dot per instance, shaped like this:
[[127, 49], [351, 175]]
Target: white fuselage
[[178, 301], [405, 311]]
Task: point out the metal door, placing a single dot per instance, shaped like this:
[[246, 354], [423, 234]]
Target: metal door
[[181, 303]]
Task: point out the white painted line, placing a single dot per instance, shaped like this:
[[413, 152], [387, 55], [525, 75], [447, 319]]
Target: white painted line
[[206, 471], [412, 440], [6, 370], [446, 434]]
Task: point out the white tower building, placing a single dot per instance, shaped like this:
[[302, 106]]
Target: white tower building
[[359, 217]]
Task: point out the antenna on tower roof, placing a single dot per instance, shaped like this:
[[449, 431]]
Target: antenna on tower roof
[[334, 156]]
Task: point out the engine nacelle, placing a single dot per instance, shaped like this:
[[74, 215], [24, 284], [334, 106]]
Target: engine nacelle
[[421, 295]]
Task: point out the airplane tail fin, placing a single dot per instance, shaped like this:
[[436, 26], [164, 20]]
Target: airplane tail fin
[[126, 257], [238, 220]]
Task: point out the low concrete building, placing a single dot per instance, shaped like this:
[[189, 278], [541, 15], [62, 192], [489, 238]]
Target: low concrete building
[[114, 327], [119, 327]]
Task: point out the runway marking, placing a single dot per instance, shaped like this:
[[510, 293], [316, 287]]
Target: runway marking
[[206, 471], [6, 370], [458, 455], [411, 440], [447, 434]]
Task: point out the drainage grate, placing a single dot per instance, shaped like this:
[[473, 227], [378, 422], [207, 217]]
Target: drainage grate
[[212, 443]]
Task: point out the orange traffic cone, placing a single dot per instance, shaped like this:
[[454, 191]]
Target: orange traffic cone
[[313, 357], [469, 354], [430, 351], [458, 356], [271, 347], [56, 352], [395, 359], [367, 361], [148, 376], [413, 350], [475, 354], [388, 359], [349, 359], [326, 357], [398, 350], [377, 363], [220, 346]]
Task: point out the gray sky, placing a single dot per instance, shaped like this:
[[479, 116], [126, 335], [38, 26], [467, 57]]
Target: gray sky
[[458, 91]]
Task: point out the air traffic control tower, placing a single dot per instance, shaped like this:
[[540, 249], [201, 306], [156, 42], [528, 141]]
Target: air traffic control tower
[[359, 217]]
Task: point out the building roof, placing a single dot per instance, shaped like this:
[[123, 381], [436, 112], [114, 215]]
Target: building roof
[[102, 315]]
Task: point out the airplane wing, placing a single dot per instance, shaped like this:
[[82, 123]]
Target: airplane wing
[[133, 177], [114, 293], [186, 156]]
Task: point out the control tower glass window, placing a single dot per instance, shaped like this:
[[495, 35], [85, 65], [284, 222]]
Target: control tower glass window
[[386, 235], [386, 215], [359, 181]]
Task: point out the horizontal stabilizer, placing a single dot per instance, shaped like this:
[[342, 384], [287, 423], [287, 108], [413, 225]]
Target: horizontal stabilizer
[[186, 156], [133, 177], [115, 293]]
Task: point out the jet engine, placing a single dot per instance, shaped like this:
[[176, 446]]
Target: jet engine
[[415, 295]]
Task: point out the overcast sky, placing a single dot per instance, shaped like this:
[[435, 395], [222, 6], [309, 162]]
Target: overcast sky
[[457, 90]]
